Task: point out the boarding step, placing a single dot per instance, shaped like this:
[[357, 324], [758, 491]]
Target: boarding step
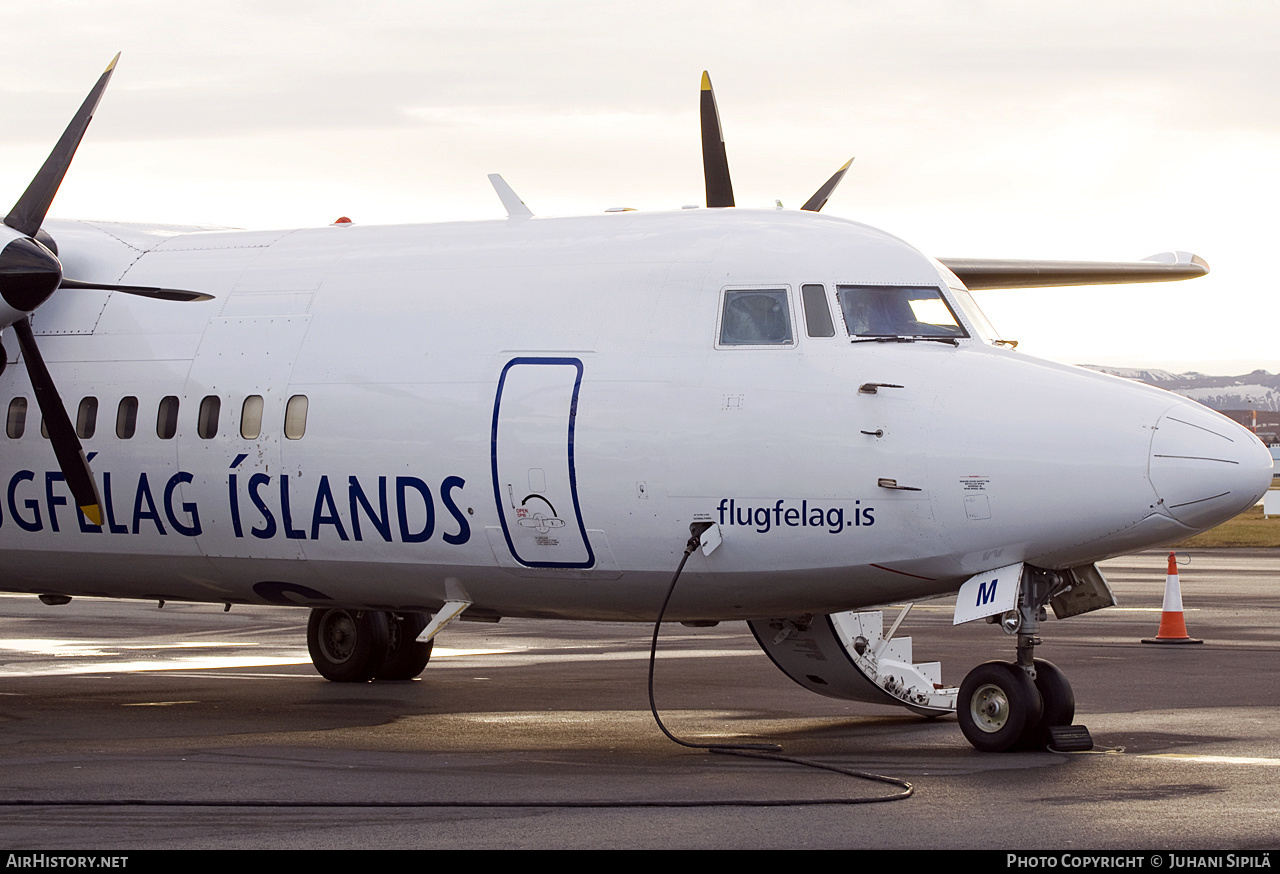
[[848, 655]]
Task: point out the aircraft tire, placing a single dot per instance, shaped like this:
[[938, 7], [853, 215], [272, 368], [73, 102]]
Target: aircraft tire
[[347, 646], [1059, 705], [405, 656], [997, 704]]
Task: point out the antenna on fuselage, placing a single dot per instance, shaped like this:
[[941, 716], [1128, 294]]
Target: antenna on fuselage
[[514, 205]]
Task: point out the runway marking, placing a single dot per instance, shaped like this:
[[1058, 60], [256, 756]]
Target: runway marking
[[46, 669], [82, 648], [577, 655], [57, 657], [72, 657], [1215, 760], [444, 653], [227, 675]]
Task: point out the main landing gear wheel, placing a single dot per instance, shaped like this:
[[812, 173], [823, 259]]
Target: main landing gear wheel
[[997, 705], [347, 646], [1059, 704], [405, 656]]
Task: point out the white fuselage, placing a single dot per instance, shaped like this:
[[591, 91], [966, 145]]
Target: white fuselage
[[532, 412]]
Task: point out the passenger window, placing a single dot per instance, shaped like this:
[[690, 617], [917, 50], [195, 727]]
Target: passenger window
[[127, 418], [207, 423], [87, 418], [167, 418], [17, 423], [295, 417], [251, 417], [756, 318], [817, 315], [897, 311]]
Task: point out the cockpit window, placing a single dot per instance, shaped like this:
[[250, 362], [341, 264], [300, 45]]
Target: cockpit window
[[817, 315], [897, 311], [759, 317], [977, 317]]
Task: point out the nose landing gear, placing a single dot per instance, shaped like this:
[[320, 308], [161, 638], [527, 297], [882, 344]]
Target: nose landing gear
[[1028, 703]]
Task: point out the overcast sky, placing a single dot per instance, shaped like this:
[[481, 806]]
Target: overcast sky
[[1094, 130]]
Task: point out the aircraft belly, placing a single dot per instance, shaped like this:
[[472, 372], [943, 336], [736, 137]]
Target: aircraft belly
[[411, 586]]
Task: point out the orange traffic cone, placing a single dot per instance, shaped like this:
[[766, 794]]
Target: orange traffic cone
[[1173, 629]]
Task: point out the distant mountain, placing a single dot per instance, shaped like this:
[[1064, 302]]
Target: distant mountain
[[1259, 390]]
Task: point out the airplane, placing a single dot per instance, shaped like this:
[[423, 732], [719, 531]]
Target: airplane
[[395, 427]]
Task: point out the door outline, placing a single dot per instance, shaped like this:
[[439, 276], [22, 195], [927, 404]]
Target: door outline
[[539, 523]]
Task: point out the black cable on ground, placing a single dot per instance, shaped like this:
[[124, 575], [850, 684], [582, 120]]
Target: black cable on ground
[[770, 752]]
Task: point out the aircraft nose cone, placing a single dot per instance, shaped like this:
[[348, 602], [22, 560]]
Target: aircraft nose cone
[[1205, 467]]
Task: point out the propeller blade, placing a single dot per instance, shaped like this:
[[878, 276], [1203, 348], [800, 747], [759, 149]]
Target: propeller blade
[[28, 213], [174, 294], [66, 445], [823, 194], [715, 163]]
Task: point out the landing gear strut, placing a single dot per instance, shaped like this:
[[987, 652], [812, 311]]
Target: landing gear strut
[[1004, 706], [355, 646]]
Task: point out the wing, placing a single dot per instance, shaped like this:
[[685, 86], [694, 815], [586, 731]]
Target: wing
[[979, 273]]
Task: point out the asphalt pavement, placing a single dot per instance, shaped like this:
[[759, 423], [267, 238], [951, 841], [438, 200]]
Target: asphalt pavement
[[124, 726]]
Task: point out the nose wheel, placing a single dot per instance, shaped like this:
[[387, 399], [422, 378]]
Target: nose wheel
[[998, 702], [1001, 708]]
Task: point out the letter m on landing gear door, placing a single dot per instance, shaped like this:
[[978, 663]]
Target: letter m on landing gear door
[[534, 482]]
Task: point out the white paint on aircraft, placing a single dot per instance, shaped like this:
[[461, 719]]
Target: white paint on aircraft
[[528, 417]]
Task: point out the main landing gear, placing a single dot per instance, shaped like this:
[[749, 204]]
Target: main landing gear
[[1026, 704], [355, 646]]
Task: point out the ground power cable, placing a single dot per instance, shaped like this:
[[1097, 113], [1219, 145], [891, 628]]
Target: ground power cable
[[767, 751]]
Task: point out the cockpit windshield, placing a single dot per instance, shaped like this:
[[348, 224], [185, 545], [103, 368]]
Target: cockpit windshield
[[977, 317], [895, 311]]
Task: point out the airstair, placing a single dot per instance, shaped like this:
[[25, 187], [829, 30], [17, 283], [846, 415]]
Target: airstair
[[848, 655]]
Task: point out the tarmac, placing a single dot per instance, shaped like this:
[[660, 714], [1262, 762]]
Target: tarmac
[[127, 727]]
